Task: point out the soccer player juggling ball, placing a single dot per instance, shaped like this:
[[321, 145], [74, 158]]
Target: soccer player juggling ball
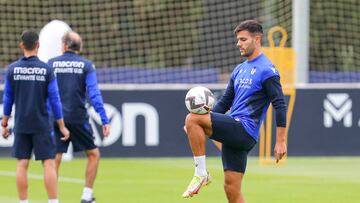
[[253, 85], [29, 84]]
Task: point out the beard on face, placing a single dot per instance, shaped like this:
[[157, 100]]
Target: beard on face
[[248, 51]]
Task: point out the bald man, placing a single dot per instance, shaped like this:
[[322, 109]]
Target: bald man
[[76, 76]]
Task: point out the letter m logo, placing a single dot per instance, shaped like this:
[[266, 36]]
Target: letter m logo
[[337, 106]]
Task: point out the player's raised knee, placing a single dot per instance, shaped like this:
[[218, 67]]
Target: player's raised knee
[[189, 119], [192, 119]]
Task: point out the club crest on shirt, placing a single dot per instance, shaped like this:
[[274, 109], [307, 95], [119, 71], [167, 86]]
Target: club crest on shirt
[[253, 71]]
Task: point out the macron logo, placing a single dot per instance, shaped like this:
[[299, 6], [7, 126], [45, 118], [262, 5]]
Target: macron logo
[[337, 106], [30, 70], [68, 64]]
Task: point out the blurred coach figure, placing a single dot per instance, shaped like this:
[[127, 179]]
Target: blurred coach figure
[[30, 84], [76, 76]]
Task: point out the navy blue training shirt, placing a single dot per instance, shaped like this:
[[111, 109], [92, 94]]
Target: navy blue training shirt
[[253, 85], [76, 76], [30, 84]]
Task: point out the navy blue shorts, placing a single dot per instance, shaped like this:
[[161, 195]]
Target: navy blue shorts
[[81, 137], [236, 142], [43, 145]]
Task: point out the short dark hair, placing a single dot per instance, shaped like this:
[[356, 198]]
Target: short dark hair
[[29, 38], [73, 44], [252, 26]]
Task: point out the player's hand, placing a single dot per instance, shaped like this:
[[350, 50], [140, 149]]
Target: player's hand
[[280, 150], [5, 132], [106, 130], [65, 132]]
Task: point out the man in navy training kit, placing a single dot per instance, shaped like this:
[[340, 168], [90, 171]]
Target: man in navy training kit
[[76, 76], [252, 86], [30, 84]]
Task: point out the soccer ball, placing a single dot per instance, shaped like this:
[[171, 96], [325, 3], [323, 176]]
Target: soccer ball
[[199, 100]]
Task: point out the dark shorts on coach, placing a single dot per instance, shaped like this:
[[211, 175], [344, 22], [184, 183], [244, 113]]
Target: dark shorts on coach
[[81, 137], [42, 144]]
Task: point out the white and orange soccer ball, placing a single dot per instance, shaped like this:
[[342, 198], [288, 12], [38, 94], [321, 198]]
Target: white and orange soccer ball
[[199, 100]]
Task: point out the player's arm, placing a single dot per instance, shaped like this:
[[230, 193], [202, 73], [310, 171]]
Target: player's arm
[[8, 100], [97, 101], [225, 102], [274, 92], [54, 97]]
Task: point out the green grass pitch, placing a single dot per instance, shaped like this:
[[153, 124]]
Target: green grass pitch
[[162, 180]]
